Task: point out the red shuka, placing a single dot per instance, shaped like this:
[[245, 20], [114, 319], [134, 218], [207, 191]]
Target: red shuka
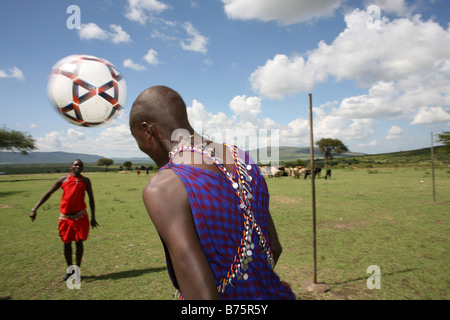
[[72, 202]]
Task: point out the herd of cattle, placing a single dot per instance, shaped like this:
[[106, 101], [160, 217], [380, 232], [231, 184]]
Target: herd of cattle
[[296, 172]]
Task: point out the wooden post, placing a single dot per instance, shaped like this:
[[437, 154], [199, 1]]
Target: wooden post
[[313, 286], [313, 186], [432, 168]]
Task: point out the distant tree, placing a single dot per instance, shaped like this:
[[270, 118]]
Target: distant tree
[[16, 141], [299, 162], [128, 165], [330, 146], [105, 162], [444, 137]]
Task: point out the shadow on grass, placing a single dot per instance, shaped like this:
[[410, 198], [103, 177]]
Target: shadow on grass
[[122, 274]]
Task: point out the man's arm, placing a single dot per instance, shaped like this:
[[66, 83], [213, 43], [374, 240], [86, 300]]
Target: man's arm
[[45, 197], [168, 206], [274, 241], [90, 193]]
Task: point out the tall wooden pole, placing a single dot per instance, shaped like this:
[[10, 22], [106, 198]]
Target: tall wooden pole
[[313, 286], [313, 187], [432, 168]]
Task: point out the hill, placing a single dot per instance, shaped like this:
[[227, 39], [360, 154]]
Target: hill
[[411, 156], [45, 157], [293, 153], [59, 157], [285, 154]]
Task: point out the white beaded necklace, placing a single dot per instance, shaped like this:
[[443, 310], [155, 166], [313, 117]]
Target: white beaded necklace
[[241, 185]]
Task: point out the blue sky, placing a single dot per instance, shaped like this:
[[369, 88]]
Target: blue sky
[[379, 85]]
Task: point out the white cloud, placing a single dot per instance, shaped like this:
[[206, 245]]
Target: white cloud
[[197, 42], [119, 35], [130, 64], [246, 108], [283, 75], [373, 143], [404, 65], [427, 115], [152, 57], [14, 73], [75, 134], [284, 12], [50, 142], [91, 31], [395, 132], [142, 10], [110, 139], [398, 7], [399, 49], [246, 117]]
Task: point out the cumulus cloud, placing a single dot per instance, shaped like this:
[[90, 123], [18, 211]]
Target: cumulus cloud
[[372, 143], [118, 35], [75, 134], [246, 117], [152, 57], [246, 108], [427, 115], [285, 12], [171, 31], [398, 7], [403, 64], [13, 72], [399, 49], [110, 140], [128, 63], [395, 132], [282, 75], [51, 141], [91, 31], [196, 41], [142, 10]]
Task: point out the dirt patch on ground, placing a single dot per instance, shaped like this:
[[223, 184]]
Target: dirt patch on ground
[[283, 199], [4, 206]]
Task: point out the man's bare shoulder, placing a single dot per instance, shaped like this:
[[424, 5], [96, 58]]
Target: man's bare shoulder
[[164, 186], [163, 181], [62, 179], [166, 199]]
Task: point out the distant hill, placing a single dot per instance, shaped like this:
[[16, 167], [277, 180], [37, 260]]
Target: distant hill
[[416, 155], [45, 157], [58, 157], [294, 153], [285, 154]]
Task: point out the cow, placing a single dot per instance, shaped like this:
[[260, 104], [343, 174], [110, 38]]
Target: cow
[[316, 172], [271, 172], [328, 174]]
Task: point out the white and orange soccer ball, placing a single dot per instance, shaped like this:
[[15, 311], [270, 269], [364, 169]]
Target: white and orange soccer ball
[[86, 90]]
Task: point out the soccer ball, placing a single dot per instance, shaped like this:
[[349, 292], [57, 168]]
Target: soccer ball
[[86, 90]]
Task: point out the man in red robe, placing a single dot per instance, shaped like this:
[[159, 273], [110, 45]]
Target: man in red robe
[[73, 221]]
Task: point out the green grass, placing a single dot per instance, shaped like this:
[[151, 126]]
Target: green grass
[[382, 217]]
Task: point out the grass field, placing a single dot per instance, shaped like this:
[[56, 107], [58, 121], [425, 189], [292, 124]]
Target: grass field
[[383, 217]]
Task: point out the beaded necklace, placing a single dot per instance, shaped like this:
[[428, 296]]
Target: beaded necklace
[[241, 185]]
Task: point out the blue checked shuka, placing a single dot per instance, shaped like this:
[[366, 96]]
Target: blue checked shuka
[[219, 222]]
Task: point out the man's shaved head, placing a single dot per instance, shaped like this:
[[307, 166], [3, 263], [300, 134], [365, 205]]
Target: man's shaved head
[[156, 114], [160, 105]]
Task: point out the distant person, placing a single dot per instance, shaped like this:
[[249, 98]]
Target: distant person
[[73, 220], [212, 216]]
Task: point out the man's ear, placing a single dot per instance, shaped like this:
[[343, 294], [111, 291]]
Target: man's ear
[[147, 128]]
